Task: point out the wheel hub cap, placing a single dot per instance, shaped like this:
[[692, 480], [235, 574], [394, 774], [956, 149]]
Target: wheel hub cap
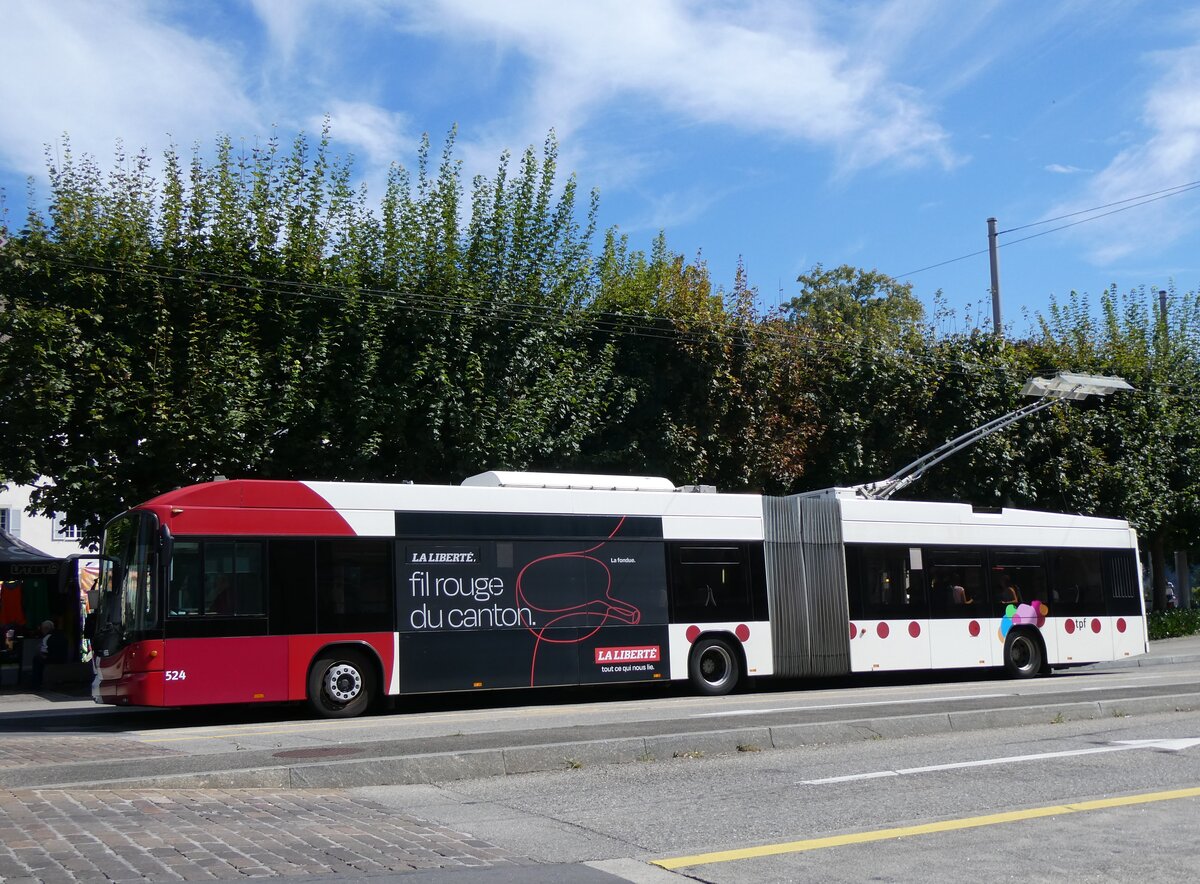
[[343, 682], [713, 667]]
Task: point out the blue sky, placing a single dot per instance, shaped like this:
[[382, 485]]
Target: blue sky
[[878, 134]]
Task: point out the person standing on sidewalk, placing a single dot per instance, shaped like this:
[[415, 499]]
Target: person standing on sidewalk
[[53, 649]]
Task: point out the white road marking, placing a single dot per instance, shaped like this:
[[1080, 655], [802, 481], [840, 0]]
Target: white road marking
[[1118, 746]]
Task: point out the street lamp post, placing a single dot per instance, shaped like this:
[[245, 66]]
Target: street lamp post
[[1048, 391]]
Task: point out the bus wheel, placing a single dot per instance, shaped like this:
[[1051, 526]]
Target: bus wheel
[[1022, 655], [713, 667], [341, 684]]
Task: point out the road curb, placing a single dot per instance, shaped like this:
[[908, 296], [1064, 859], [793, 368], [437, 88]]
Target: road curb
[[1144, 660], [511, 761]]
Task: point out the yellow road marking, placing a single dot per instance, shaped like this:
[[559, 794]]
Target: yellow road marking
[[973, 822]]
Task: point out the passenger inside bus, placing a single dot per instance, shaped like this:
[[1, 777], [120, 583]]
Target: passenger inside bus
[[1010, 595], [959, 593]]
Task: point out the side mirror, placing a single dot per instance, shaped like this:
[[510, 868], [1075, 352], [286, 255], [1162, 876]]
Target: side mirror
[[93, 599]]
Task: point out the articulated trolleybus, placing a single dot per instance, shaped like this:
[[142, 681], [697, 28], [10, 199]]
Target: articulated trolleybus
[[341, 594]]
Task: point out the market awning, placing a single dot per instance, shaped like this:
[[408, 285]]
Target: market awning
[[19, 559]]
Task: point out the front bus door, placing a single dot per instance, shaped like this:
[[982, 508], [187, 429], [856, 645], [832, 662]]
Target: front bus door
[[218, 649]]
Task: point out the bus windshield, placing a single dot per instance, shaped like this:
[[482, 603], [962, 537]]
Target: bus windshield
[[127, 578]]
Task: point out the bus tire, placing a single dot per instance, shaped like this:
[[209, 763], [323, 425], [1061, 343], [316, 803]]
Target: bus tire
[[341, 684], [1023, 655], [713, 667]]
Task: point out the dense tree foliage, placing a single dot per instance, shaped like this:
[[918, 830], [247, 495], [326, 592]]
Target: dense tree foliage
[[255, 314], [1141, 451], [252, 316]]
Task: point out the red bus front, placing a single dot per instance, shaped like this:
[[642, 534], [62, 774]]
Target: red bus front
[[127, 638], [183, 620]]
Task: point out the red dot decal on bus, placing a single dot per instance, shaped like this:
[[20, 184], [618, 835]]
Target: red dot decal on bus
[[973, 628], [1095, 625], [693, 633], [1070, 626], [853, 630], [742, 632], [1120, 624], [883, 630], [914, 629]]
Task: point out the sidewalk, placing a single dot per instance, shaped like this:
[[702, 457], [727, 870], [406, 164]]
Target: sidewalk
[[1163, 651], [24, 699]]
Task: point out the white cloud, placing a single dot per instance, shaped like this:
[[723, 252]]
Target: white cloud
[[103, 71], [376, 134], [1060, 169], [764, 69], [672, 209], [287, 22], [1168, 157]]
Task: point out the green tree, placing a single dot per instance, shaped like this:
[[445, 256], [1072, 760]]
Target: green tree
[[850, 302], [1141, 448], [715, 391], [870, 370], [253, 315]]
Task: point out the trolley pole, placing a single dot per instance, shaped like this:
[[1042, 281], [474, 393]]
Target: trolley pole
[[1046, 392], [993, 254]]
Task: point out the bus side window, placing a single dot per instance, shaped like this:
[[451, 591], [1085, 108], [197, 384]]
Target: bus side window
[[292, 581], [710, 583], [1075, 583], [1121, 590], [250, 579], [354, 585], [957, 584], [233, 578], [1018, 577], [855, 578], [184, 597], [147, 558], [883, 582]]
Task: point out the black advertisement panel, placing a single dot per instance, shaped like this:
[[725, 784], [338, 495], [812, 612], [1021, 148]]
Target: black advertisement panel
[[509, 613], [501, 658]]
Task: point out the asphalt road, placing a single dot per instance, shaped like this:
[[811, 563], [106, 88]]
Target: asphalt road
[[1080, 801], [1077, 776]]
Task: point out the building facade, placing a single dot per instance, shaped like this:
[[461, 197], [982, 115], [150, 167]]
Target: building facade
[[49, 535]]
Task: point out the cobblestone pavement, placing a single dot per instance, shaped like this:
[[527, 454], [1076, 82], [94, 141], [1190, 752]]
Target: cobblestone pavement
[[21, 751], [54, 835]]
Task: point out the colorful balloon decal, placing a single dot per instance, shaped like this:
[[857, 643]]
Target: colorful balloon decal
[[1033, 614]]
